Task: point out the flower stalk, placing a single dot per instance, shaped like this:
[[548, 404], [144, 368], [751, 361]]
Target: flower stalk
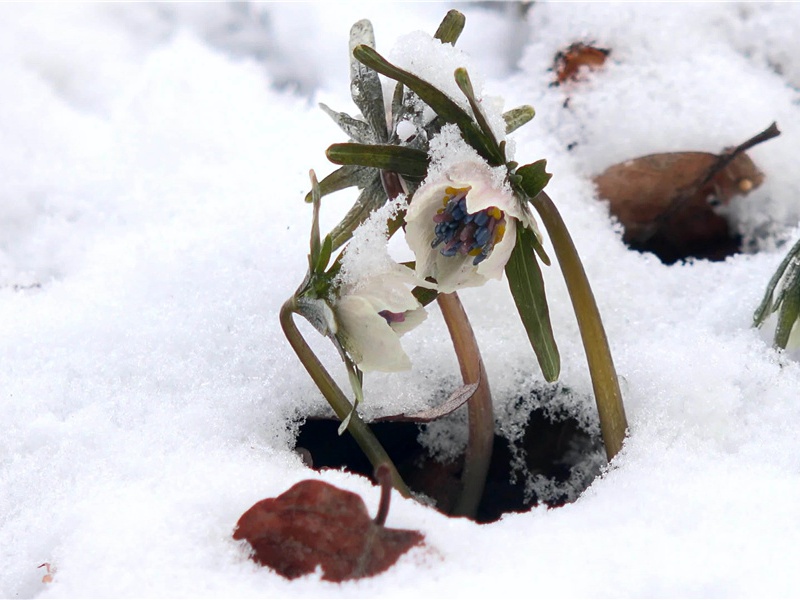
[[613, 423], [480, 414], [363, 436]]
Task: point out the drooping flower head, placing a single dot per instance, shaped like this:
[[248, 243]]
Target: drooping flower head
[[372, 301], [372, 315], [461, 225]]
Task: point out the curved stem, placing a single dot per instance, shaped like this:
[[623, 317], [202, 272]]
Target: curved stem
[[613, 422], [362, 434], [479, 406]]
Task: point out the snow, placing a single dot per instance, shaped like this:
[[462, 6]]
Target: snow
[[154, 163]]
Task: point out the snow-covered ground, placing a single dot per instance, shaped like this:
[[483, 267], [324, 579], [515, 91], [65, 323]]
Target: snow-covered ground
[[154, 159]]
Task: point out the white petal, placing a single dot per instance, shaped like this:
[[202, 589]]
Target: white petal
[[369, 339]]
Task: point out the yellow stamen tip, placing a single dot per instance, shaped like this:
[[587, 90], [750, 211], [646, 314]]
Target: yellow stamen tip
[[499, 232], [474, 252]]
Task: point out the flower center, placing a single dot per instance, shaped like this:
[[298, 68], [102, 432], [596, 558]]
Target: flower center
[[473, 234]]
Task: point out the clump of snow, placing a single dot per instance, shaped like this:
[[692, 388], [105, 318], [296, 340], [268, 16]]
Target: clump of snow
[[367, 252], [435, 62], [448, 149]]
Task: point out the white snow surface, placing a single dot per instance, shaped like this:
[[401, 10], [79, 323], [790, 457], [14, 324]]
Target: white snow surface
[[154, 160]]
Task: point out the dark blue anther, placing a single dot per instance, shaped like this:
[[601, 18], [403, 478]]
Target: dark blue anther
[[482, 236]]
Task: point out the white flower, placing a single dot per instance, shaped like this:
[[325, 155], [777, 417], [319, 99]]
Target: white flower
[[462, 226], [371, 315]]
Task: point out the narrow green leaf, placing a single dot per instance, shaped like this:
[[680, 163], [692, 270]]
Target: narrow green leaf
[[313, 257], [324, 254], [517, 117], [767, 305], [408, 162], [365, 85], [373, 196], [356, 129], [465, 85], [451, 27], [534, 178], [789, 311], [441, 104], [527, 288], [343, 178]]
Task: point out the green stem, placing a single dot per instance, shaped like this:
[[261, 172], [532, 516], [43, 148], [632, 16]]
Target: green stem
[[479, 406], [362, 434], [613, 423]]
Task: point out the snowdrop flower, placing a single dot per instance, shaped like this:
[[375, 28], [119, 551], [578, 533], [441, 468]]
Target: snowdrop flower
[[371, 316], [461, 225]]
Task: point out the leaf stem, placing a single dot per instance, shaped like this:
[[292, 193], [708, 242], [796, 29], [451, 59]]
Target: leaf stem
[[613, 423], [362, 434], [479, 406]]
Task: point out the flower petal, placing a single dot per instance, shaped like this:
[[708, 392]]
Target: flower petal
[[368, 338]]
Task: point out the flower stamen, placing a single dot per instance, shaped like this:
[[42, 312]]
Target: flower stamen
[[464, 233]]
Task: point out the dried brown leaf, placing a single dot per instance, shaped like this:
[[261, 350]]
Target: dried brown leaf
[[568, 63], [316, 524], [664, 201]]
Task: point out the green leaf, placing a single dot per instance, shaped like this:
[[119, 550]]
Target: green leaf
[[790, 310], [356, 129], [465, 85], [441, 104], [767, 305], [324, 255], [451, 27], [534, 178], [517, 117], [527, 288], [343, 178], [424, 295], [408, 162], [373, 196], [313, 257], [365, 85]]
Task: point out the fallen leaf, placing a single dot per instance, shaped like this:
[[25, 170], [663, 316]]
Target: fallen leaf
[[316, 524], [568, 62], [666, 202], [50, 574], [455, 401]]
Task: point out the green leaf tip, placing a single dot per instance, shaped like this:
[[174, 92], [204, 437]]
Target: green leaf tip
[[534, 178], [517, 117], [451, 27]]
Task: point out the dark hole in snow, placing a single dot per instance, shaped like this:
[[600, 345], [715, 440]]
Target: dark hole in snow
[[551, 463]]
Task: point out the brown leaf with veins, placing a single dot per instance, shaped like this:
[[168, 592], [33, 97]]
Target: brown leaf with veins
[[314, 523], [666, 201]]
